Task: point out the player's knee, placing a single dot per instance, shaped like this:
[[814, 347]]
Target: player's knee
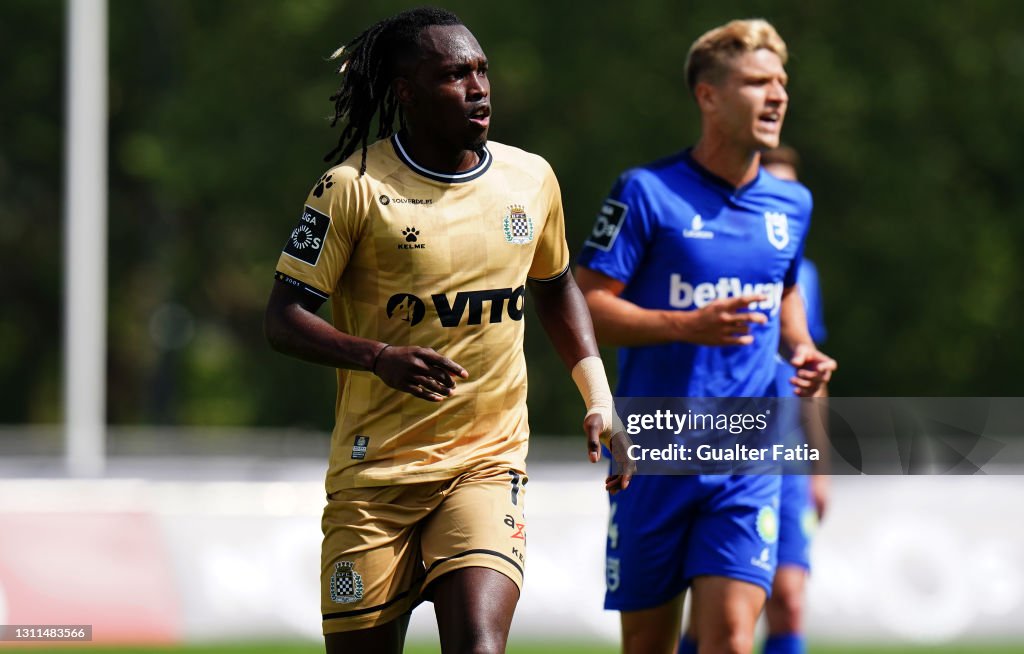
[[649, 635], [476, 637], [733, 635], [740, 643], [732, 642], [640, 643], [483, 642], [785, 612]]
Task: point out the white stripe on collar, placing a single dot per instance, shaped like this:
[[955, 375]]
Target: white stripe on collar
[[464, 176]]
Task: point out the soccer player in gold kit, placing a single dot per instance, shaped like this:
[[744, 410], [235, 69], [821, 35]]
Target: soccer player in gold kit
[[425, 242]]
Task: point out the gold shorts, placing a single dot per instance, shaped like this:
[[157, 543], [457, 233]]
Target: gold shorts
[[383, 545]]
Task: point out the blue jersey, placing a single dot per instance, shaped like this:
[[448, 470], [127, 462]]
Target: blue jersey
[[680, 237]]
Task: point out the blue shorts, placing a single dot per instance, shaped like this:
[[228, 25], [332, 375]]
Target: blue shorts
[[665, 530], [798, 520]]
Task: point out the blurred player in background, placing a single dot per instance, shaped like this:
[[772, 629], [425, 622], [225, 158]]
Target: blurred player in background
[[803, 497], [425, 242], [668, 273]]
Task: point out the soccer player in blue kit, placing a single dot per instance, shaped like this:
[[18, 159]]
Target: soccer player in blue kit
[[803, 497], [691, 270]]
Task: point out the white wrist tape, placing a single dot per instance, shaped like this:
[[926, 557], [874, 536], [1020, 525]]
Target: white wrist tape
[[589, 376]]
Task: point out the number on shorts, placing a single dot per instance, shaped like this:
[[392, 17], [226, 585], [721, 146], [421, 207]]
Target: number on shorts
[[515, 485], [613, 579], [613, 528]]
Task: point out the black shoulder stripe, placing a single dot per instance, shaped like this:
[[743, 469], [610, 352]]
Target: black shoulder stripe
[[550, 279], [291, 281]]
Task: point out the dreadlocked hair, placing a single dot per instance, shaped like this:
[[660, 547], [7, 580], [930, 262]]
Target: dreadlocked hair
[[369, 63]]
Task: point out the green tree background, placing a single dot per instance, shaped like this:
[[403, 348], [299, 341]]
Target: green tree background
[[907, 114]]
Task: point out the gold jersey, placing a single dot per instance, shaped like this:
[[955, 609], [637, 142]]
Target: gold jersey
[[408, 256]]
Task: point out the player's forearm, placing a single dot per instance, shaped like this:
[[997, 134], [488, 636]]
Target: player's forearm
[[297, 331], [791, 339], [562, 312], [620, 323], [814, 421], [301, 337], [793, 323]]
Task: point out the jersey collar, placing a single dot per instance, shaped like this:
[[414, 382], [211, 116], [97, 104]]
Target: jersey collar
[[456, 178], [715, 179]]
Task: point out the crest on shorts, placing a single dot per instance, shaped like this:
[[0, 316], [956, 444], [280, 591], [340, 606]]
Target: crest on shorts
[[517, 225], [778, 229], [808, 521], [768, 524], [346, 583]]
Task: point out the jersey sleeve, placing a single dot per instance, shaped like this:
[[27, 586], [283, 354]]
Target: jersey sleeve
[[810, 289], [806, 205], [330, 226], [551, 257], [622, 231]]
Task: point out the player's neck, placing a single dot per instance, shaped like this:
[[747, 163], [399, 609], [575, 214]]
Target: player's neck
[[436, 156], [738, 166]]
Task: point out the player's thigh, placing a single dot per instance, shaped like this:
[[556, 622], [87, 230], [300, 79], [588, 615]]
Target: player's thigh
[[648, 531], [371, 567], [653, 630], [387, 638], [479, 522], [474, 608], [725, 612]]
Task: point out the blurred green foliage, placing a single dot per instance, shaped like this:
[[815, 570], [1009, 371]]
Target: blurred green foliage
[[907, 114]]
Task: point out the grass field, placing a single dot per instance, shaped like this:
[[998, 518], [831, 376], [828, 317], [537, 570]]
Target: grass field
[[521, 648]]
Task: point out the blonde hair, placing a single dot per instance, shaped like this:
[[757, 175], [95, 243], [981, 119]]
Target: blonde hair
[[709, 56]]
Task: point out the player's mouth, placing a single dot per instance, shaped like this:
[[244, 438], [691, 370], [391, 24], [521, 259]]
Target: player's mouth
[[480, 116], [770, 120]]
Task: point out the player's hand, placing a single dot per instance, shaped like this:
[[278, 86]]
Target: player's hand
[[820, 491], [419, 371], [814, 369], [722, 322], [594, 426], [626, 466]]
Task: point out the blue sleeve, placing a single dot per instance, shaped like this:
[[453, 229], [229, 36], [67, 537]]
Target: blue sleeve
[[806, 204], [622, 230], [794, 267], [810, 289]]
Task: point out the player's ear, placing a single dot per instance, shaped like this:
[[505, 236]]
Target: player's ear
[[705, 96], [403, 91]]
